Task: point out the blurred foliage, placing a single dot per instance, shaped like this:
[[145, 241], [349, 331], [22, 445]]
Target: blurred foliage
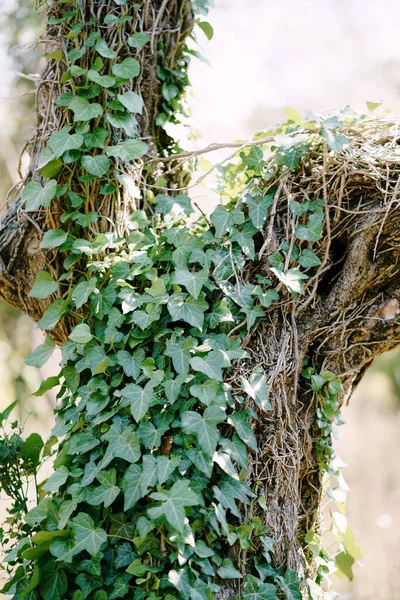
[[389, 365], [20, 26]]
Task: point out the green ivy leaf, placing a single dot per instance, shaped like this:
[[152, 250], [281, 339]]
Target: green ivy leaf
[[87, 537], [81, 443], [123, 443], [206, 392], [224, 220], [138, 40], [211, 365], [81, 334], [56, 480], [192, 280], [37, 196], [259, 208], [311, 232], [41, 354], [132, 101], [150, 436], [96, 165], [107, 492], [140, 399], [204, 426], [132, 486], [129, 150], [127, 69], [173, 504], [290, 585], [308, 259], [104, 50], [105, 81], [53, 314], [228, 571], [62, 140], [97, 138], [53, 238], [180, 354], [244, 237], [44, 286], [240, 421], [53, 581], [189, 310], [207, 29], [84, 110], [82, 291], [39, 513], [255, 589]]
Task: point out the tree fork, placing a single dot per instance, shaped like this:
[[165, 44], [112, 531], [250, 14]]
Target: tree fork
[[347, 316]]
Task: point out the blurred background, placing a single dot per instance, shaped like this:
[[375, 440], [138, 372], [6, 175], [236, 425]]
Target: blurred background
[[265, 55]]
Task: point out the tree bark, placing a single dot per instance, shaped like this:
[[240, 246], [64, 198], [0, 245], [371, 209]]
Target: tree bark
[[20, 231], [348, 316]]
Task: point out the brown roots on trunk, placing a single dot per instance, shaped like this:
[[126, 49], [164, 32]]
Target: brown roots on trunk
[[348, 316]]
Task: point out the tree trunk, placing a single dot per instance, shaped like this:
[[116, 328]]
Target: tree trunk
[[348, 315]]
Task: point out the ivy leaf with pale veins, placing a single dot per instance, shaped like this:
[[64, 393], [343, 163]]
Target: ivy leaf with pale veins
[[81, 292], [96, 138], [107, 492], [53, 581], [244, 237], [180, 354], [37, 196], [192, 280], [87, 536], [123, 442], [290, 585], [81, 334], [62, 140], [204, 426], [131, 485], [211, 365], [258, 209], [173, 504], [240, 421], [224, 220], [140, 398], [56, 480], [255, 589], [187, 309]]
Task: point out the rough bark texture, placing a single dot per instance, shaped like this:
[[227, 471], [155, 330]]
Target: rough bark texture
[[21, 232], [348, 316]]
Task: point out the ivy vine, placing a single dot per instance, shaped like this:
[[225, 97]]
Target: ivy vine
[[151, 442]]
